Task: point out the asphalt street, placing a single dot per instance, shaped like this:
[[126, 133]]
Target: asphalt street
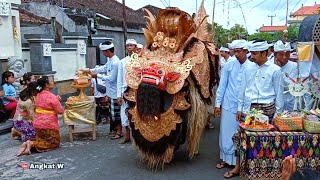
[[107, 159]]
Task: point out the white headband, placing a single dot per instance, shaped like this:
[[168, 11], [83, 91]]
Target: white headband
[[131, 41], [140, 46], [280, 46], [259, 46], [104, 47], [224, 49], [239, 44]]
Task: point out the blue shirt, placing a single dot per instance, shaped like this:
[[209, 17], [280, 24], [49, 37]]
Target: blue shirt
[[111, 71], [9, 91], [261, 84], [228, 90]]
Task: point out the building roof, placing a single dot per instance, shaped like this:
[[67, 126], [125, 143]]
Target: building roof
[[153, 9], [272, 28], [306, 10], [30, 18], [109, 8]]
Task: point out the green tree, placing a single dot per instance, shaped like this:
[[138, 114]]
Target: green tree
[[221, 35], [293, 31], [261, 35], [278, 35], [237, 32]]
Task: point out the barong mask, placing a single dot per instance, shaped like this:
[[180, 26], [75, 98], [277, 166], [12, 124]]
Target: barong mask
[[165, 64]]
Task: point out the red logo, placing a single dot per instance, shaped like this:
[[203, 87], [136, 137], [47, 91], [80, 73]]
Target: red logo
[[24, 166]]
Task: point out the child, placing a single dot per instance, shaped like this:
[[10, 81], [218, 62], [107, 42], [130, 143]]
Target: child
[[9, 98], [22, 125], [26, 79]]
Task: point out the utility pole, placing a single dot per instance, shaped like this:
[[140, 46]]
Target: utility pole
[[62, 16], [287, 13], [271, 16], [196, 6], [124, 22], [213, 27]]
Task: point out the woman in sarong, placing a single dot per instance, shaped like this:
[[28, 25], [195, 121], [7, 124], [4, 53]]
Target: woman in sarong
[[46, 124]]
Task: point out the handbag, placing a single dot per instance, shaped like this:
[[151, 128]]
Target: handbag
[[100, 88]]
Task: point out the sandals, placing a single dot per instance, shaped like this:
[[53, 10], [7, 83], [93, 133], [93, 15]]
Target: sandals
[[231, 175], [117, 136]]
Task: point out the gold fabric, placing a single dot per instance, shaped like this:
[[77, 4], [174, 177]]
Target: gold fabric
[[82, 112], [180, 102], [305, 51], [153, 129], [43, 111]]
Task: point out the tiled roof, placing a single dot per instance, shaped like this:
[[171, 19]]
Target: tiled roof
[[109, 8], [307, 10], [153, 9], [272, 28], [28, 17]]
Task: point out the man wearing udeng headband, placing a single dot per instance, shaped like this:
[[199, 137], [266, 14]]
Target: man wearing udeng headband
[[111, 71]]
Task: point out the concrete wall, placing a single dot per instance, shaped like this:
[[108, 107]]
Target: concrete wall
[[64, 60], [37, 29], [64, 63], [46, 10], [8, 45], [116, 34]]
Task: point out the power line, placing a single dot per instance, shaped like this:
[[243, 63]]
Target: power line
[[257, 5], [242, 4], [295, 5], [277, 5], [164, 4]]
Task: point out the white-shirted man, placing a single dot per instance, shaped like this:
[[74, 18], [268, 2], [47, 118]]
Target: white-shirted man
[[289, 71], [227, 104], [131, 45], [109, 73], [262, 83]]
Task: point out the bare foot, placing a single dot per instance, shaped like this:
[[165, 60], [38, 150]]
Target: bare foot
[[22, 148], [28, 149], [14, 133]]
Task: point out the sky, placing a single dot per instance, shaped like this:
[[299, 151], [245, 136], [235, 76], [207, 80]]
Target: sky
[[228, 12]]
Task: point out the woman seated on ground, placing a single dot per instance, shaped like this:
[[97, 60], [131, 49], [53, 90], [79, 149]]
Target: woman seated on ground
[[22, 121], [46, 124]]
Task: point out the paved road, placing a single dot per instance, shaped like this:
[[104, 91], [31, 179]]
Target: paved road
[[107, 159]]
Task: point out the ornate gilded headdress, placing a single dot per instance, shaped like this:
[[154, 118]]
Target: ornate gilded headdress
[[165, 63]]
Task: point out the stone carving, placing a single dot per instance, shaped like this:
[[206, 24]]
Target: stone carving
[[82, 48], [46, 49], [16, 66], [4, 9]]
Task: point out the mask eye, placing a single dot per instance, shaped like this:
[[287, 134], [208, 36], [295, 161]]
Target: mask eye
[[161, 72]]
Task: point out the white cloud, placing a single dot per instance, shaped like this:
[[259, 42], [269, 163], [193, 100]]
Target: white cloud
[[255, 11]]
